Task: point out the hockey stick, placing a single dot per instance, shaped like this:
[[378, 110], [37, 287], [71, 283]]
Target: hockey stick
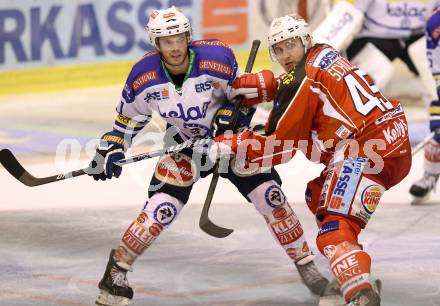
[[422, 144], [13, 166], [205, 223]]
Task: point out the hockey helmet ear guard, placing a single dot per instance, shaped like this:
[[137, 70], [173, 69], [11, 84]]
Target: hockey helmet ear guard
[[286, 27], [167, 22]]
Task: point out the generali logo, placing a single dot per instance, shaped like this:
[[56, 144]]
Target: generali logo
[[216, 67]]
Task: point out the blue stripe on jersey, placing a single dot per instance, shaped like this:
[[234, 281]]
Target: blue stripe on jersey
[[146, 73], [215, 58], [212, 57]]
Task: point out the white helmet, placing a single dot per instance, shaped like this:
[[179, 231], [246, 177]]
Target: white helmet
[[288, 26], [167, 22]]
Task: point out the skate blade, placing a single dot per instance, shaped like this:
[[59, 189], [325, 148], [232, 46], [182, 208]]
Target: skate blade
[[106, 299], [420, 200], [332, 300]]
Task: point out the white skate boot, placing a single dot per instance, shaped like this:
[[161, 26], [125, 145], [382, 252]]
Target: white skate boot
[[114, 289], [422, 189]]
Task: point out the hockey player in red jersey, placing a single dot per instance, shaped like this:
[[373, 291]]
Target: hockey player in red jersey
[[334, 113]]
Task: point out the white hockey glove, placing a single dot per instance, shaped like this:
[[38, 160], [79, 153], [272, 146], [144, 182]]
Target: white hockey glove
[[219, 150]]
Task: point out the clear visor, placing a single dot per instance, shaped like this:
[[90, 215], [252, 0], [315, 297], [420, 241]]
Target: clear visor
[[287, 45]]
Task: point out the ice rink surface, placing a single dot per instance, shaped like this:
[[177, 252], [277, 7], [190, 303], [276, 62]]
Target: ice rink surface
[[55, 239]]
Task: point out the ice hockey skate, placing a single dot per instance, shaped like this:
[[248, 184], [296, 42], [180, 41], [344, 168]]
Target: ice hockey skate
[[313, 279], [367, 297], [114, 289], [422, 189], [332, 295]]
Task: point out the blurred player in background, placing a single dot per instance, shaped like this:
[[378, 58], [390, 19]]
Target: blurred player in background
[[335, 114], [422, 189], [375, 32], [186, 82]]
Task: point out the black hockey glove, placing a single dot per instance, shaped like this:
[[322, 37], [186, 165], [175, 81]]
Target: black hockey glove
[[102, 166], [225, 115]]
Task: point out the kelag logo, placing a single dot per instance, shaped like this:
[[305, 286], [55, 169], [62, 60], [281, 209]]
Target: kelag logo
[[405, 10]]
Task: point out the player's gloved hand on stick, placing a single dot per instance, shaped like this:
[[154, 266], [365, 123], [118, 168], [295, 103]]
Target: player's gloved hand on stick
[[434, 122], [249, 147], [223, 120], [255, 87], [228, 144], [109, 151]]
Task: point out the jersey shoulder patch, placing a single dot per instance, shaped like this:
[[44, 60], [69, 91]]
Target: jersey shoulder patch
[[209, 43], [147, 72], [215, 58], [325, 56]]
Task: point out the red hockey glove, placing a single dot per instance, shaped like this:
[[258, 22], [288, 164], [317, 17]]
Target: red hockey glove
[[226, 145], [251, 148], [255, 87]]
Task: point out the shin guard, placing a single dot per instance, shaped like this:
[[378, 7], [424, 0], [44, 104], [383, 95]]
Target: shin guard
[[281, 220], [158, 213], [337, 240]]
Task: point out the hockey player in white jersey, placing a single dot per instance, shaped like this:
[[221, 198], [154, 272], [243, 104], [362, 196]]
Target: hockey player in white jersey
[[187, 83], [375, 32], [422, 188]]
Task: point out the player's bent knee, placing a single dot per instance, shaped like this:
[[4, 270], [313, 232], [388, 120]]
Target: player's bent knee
[[158, 213], [268, 197], [163, 208], [335, 233]]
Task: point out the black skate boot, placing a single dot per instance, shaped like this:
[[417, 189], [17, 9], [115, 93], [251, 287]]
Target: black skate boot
[[113, 287], [310, 275], [422, 189], [365, 297]]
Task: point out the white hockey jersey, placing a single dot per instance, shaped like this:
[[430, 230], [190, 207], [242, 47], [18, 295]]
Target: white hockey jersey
[[190, 108], [394, 18]]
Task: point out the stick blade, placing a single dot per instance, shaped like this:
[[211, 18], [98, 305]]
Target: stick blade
[[214, 230], [13, 166]]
